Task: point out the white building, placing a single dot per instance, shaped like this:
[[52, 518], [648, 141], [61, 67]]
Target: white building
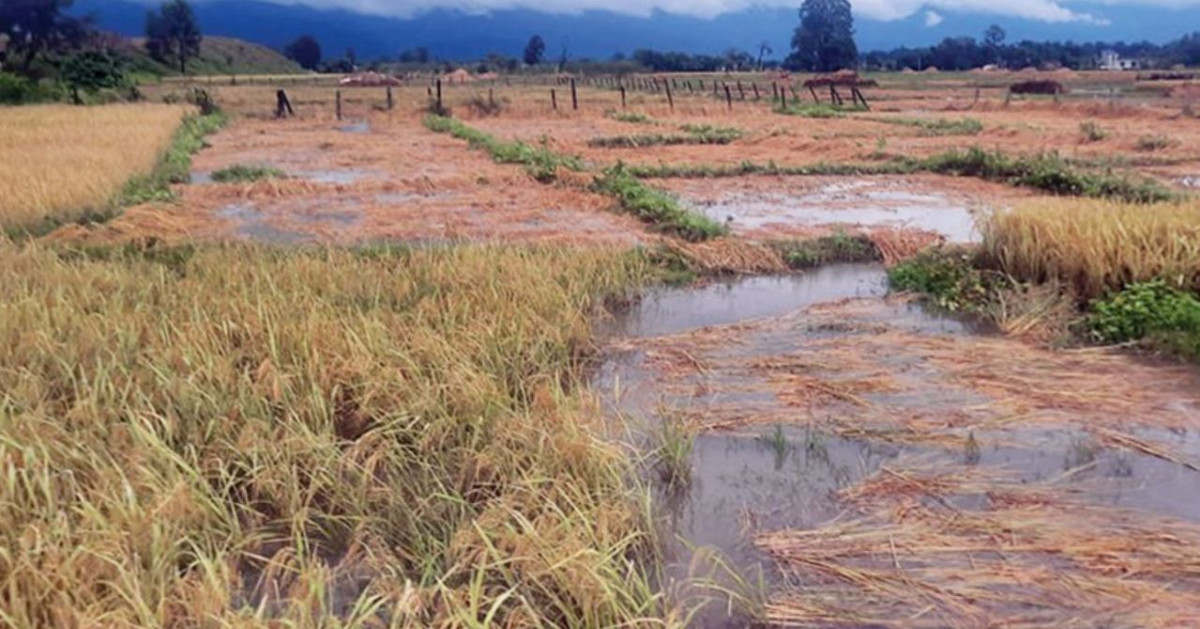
[[1110, 60]]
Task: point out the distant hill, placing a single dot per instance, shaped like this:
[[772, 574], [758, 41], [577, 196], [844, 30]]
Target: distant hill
[[218, 55], [462, 35]]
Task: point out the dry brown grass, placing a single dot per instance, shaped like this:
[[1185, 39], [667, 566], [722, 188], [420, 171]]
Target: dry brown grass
[[59, 162], [1096, 246]]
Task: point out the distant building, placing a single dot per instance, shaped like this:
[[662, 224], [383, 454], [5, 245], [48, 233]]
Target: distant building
[[1110, 60]]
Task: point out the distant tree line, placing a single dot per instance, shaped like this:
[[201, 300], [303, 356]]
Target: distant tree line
[[965, 53]]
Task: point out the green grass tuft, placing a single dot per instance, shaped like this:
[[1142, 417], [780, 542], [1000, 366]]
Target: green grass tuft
[[840, 247], [242, 173], [655, 207], [540, 162], [935, 127]]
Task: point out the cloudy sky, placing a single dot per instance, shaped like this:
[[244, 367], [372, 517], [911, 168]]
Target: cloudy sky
[[1050, 11]]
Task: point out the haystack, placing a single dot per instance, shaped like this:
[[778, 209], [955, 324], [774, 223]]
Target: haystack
[[368, 79], [459, 76]]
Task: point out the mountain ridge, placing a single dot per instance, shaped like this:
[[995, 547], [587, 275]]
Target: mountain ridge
[[455, 35]]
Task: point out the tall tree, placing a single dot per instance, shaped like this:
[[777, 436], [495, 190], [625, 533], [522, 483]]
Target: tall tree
[[994, 37], [173, 34], [535, 50], [35, 27], [306, 51], [764, 49], [824, 41]]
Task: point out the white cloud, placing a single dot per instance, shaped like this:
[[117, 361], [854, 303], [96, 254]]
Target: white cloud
[[933, 18], [1053, 11]]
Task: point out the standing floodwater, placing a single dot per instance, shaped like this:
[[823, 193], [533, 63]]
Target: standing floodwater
[[816, 417]]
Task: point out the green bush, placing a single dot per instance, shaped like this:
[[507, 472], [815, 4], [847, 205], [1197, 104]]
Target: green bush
[[1142, 310], [949, 279], [18, 90]]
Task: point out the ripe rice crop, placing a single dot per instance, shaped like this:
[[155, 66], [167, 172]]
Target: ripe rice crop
[[60, 162], [232, 436], [1097, 246]]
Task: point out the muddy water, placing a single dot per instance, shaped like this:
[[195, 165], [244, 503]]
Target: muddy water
[[779, 466], [852, 204]]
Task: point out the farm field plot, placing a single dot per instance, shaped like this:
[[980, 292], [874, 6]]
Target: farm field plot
[[61, 163], [506, 362]]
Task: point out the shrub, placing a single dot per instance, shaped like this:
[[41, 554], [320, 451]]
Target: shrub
[[1092, 132], [1143, 309], [17, 90], [949, 278], [1155, 143], [486, 106]]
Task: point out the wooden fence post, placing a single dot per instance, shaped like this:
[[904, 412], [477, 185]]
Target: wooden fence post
[[439, 97], [491, 98], [670, 101], [283, 106], [783, 101], [622, 97], [574, 96], [728, 97], [755, 86], [339, 104], [391, 103], [553, 100], [741, 90]]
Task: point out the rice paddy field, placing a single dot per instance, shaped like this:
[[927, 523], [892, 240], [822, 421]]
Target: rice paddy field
[[62, 163], [643, 361]]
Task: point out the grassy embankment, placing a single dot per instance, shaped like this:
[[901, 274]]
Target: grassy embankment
[[654, 207], [1045, 172], [1126, 273], [62, 164], [241, 436]]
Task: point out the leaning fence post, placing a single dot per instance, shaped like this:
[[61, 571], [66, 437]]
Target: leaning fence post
[[622, 97], [670, 101], [553, 100], [339, 104], [783, 100], [283, 106], [728, 97]]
